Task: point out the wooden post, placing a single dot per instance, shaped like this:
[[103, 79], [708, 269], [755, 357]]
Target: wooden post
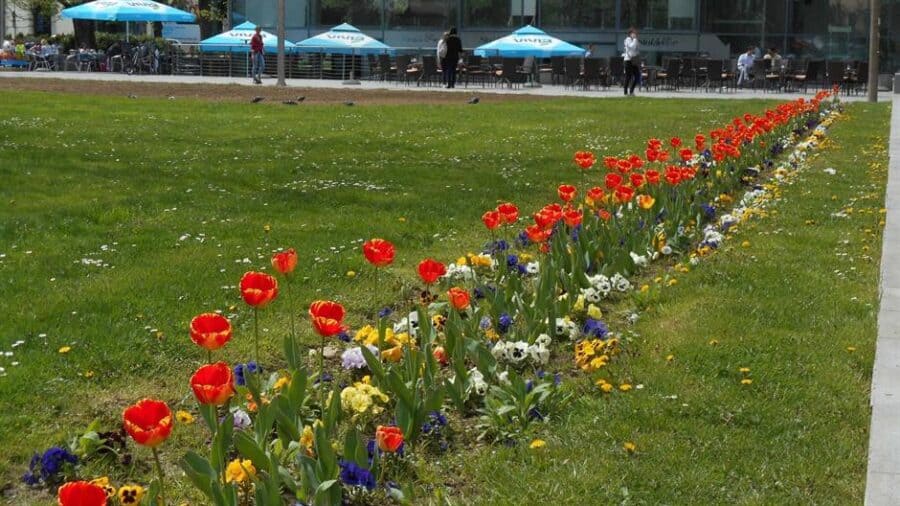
[[281, 35]]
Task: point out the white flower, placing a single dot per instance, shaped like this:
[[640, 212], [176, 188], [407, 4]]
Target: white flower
[[591, 294], [620, 282], [241, 419], [499, 350], [518, 351], [666, 250], [480, 387], [455, 271], [539, 354], [503, 378], [639, 260], [532, 267], [543, 340]]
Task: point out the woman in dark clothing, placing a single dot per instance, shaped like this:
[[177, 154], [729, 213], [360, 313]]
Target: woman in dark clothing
[[451, 59]]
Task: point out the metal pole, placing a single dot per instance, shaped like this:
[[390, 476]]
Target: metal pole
[[872, 86], [281, 35], [2, 20]]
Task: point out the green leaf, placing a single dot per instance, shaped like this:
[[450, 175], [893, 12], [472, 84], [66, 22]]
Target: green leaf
[[292, 352], [374, 364], [247, 447], [199, 471]]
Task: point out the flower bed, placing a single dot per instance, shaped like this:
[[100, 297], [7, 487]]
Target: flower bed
[[344, 422]]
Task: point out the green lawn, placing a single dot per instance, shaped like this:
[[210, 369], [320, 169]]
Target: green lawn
[[122, 219]]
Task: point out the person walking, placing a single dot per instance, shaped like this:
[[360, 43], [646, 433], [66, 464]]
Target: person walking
[[632, 61], [256, 55], [451, 59], [441, 53]]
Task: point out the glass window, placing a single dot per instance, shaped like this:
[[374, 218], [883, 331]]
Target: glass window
[[265, 13], [736, 16], [850, 17], [658, 14], [578, 13], [490, 13], [356, 12], [421, 13]]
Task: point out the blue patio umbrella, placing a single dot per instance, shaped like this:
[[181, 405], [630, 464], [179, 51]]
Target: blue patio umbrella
[[237, 40], [343, 39], [528, 41], [127, 10]]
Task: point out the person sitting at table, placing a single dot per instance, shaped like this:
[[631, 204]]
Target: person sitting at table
[[744, 65], [773, 56]]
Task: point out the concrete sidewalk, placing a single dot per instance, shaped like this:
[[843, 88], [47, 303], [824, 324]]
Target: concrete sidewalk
[[883, 478], [543, 91]]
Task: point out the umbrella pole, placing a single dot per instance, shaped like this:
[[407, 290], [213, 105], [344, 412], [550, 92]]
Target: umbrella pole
[[127, 35], [353, 80]]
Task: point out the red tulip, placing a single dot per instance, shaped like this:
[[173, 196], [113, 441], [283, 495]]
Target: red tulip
[[595, 195], [613, 180], [699, 141], [624, 193], [610, 162], [258, 289], [327, 317], [636, 179], [379, 252], [623, 166], [430, 270], [389, 438], [212, 384], [149, 422], [285, 261], [675, 142], [491, 219], [81, 493], [652, 176], [663, 156], [635, 161], [604, 214], [566, 192], [440, 355], [537, 233], [673, 175], [686, 154], [210, 331], [509, 212], [651, 154], [572, 217], [585, 159], [459, 298]]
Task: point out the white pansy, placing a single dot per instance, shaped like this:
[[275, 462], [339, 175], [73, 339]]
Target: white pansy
[[543, 340], [539, 354], [639, 260], [591, 294]]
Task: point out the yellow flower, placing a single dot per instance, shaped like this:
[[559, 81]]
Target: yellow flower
[[645, 201], [670, 358], [131, 494], [267, 227], [657, 279], [281, 383], [594, 312], [402, 219], [89, 374], [672, 282], [65, 349], [745, 244], [184, 417], [744, 369], [625, 387], [645, 288], [393, 354], [579, 304], [713, 342], [307, 437], [606, 388], [108, 488], [629, 447], [746, 381], [537, 443], [492, 334], [239, 471], [851, 349], [351, 274], [461, 261]]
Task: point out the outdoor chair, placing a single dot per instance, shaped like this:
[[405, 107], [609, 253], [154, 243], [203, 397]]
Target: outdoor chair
[[572, 75], [616, 69], [429, 72], [859, 79], [510, 73], [715, 75], [384, 67], [475, 70], [557, 69], [591, 73], [671, 74], [758, 74], [834, 74]]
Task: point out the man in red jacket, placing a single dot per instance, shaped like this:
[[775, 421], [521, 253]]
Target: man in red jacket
[[256, 55]]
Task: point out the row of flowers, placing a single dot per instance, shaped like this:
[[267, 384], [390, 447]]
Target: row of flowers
[[338, 422]]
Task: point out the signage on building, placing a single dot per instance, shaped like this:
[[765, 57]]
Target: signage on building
[[182, 32]]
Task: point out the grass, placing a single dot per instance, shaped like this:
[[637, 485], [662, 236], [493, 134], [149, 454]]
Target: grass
[[172, 198]]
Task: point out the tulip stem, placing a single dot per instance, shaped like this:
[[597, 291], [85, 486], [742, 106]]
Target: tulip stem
[[256, 333], [159, 473], [322, 372], [208, 356], [290, 297]]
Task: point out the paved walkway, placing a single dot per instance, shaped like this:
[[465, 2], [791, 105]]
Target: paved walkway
[[545, 91], [883, 480]]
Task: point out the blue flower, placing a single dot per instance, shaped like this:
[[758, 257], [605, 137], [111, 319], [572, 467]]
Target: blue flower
[[326, 378], [384, 313], [529, 386], [575, 232], [709, 210], [512, 261], [534, 414], [240, 371], [523, 240], [595, 328], [53, 461], [485, 323], [344, 336], [504, 322], [438, 418], [353, 475], [496, 247], [557, 379]]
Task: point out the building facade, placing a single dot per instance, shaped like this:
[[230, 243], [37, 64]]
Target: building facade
[[826, 29]]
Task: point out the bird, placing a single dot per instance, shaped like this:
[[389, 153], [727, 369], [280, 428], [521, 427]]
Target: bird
[[301, 98], [132, 95], [348, 103], [257, 99], [474, 100], [289, 102]]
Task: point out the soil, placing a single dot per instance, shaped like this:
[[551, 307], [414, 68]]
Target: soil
[[270, 94]]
